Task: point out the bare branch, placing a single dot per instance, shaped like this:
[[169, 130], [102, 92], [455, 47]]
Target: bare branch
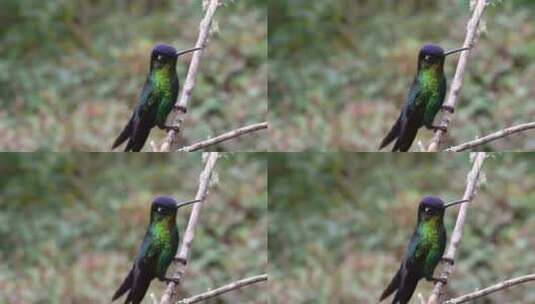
[[493, 136], [472, 181], [421, 298], [177, 116], [223, 137], [221, 290], [491, 289], [457, 82], [202, 191]]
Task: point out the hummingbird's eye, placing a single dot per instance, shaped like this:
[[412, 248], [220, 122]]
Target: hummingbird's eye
[[159, 210], [159, 57], [427, 57], [427, 209]]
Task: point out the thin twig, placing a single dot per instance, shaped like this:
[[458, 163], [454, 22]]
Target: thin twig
[[202, 191], [223, 137], [491, 289], [493, 136], [472, 181], [457, 82], [224, 289], [177, 116]]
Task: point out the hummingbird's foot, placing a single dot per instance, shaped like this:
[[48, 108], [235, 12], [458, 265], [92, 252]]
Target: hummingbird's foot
[[447, 260], [441, 128], [181, 109], [441, 280], [181, 261], [174, 280], [174, 128], [448, 108]]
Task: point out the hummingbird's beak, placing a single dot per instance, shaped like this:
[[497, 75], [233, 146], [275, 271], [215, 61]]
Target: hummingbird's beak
[[455, 51], [182, 204], [455, 203], [187, 51]]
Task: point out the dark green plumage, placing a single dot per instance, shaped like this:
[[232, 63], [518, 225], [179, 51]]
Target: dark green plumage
[[156, 100], [425, 99], [156, 252], [424, 250]]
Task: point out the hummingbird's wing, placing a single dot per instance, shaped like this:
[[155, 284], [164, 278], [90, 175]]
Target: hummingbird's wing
[[143, 271], [143, 275], [402, 277], [403, 127], [409, 273], [410, 120], [129, 130], [143, 119]]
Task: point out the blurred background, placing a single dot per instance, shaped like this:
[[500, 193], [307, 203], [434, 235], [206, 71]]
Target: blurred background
[[340, 70], [71, 71], [71, 225], [340, 223]]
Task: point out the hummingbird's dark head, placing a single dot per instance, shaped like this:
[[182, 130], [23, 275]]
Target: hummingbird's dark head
[[163, 55], [164, 207], [432, 55], [432, 206]]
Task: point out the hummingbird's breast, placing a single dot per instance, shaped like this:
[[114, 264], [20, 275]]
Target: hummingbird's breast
[[161, 81], [429, 84], [165, 243], [429, 236], [165, 88], [430, 232], [161, 234]]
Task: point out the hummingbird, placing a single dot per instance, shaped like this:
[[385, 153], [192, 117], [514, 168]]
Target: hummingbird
[[156, 252], [424, 251], [424, 100], [157, 98]]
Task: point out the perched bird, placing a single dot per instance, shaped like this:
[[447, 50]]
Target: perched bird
[[156, 252], [425, 98], [156, 100], [425, 250]]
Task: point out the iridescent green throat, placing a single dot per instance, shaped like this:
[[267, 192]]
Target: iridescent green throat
[[429, 79], [429, 231], [161, 79], [161, 231]]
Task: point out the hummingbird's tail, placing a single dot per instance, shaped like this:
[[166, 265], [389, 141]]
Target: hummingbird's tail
[[138, 138], [125, 134], [125, 286], [392, 134], [406, 137], [406, 288], [393, 286], [141, 284]]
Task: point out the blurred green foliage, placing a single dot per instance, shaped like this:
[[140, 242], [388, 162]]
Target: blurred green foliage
[[71, 224], [340, 70], [340, 223], [71, 71]]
